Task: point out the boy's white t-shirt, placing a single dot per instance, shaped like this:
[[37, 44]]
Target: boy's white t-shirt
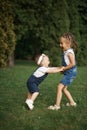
[[40, 71]]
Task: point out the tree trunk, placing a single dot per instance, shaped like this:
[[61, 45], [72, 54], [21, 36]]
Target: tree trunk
[[11, 60]]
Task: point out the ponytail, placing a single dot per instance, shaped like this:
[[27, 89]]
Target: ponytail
[[75, 45]]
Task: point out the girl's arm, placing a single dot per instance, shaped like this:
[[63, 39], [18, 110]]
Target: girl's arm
[[72, 61], [54, 69]]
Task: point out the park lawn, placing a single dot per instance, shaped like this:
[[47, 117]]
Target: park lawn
[[14, 114]]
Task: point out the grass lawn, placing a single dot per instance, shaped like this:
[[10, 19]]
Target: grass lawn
[[13, 92]]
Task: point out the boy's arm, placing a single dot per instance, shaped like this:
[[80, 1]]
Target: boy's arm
[[54, 69]]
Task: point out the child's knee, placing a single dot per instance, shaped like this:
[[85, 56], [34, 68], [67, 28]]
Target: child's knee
[[60, 87]]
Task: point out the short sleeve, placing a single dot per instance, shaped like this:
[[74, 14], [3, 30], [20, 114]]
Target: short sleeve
[[70, 51], [41, 71]]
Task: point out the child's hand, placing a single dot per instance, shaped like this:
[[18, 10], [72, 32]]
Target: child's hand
[[62, 69]]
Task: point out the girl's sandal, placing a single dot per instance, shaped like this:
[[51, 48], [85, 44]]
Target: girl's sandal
[[69, 104], [53, 107]]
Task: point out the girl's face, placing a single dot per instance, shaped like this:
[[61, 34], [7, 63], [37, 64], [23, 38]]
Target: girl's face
[[64, 43]]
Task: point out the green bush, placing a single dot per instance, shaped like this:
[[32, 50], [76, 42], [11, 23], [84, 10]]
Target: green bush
[[7, 35]]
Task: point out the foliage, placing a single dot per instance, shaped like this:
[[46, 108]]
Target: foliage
[[82, 56], [44, 25], [7, 35], [14, 115], [38, 25]]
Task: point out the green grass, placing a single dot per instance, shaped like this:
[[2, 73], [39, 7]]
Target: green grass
[[13, 92]]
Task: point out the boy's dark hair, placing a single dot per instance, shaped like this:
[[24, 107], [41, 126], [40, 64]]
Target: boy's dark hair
[[37, 57]]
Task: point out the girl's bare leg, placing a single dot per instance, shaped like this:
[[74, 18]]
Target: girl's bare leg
[[59, 94], [68, 95]]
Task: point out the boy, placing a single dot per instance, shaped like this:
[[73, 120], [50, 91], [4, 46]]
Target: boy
[[37, 77]]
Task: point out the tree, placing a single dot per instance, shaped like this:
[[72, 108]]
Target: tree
[[7, 35], [39, 25], [83, 31]]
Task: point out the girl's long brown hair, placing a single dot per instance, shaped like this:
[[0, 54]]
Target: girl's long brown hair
[[70, 37]]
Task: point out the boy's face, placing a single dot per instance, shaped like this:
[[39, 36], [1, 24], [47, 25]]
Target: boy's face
[[45, 61]]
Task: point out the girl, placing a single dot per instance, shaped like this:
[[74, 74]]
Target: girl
[[67, 41], [37, 77]]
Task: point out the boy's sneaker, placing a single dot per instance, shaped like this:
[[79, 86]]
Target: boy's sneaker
[[53, 107], [30, 105], [69, 104]]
